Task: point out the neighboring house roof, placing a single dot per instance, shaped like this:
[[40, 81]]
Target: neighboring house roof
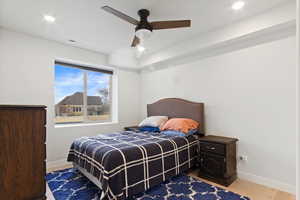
[[77, 99]]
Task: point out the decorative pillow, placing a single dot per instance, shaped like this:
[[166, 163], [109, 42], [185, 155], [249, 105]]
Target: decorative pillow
[[193, 131], [154, 121], [149, 129], [180, 124], [173, 133], [179, 133]]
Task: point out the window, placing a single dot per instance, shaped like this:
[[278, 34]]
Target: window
[[82, 94]]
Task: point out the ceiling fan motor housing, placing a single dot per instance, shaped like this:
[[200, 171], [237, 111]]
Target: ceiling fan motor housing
[[144, 24]]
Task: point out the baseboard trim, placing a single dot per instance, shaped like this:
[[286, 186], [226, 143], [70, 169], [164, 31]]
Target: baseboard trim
[[57, 163], [267, 182]]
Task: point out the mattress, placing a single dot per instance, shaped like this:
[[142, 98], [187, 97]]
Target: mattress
[[127, 163]]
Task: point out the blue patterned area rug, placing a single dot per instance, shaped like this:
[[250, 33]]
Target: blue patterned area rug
[[70, 184]]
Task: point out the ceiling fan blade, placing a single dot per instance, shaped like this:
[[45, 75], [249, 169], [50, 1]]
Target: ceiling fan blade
[[120, 15], [135, 41], [170, 24]]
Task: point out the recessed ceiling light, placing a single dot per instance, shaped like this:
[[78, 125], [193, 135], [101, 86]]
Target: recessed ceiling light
[[49, 18], [238, 5]]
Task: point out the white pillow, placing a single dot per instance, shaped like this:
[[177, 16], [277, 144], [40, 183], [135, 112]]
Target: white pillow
[[155, 121]]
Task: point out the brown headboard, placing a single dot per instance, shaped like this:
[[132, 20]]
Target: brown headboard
[[178, 108]]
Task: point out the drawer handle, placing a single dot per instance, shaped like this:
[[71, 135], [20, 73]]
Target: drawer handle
[[211, 148]]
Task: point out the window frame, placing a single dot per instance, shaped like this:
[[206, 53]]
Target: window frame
[[86, 69]]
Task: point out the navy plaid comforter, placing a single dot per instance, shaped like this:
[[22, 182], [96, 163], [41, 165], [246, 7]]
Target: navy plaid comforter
[[128, 163]]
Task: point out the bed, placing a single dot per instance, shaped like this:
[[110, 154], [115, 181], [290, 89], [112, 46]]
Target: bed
[[124, 164]]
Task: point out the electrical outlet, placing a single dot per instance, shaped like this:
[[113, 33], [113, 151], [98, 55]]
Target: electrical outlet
[[243, 158]]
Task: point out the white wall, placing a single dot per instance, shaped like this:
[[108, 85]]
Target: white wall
[[249, 94], [27, 77], [124, 57], [298, 99]]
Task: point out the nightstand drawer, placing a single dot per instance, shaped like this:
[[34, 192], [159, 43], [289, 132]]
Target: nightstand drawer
[[132, 128], [212, 165], [212, 148]]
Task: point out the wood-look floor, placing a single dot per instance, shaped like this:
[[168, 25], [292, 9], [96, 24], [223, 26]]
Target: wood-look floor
[[252, 190], [243, 187]]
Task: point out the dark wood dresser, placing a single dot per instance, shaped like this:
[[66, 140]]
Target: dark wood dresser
[[217, 159], [22, 152]]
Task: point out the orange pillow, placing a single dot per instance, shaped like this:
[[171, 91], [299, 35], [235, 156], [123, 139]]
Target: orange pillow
[[180, 124]]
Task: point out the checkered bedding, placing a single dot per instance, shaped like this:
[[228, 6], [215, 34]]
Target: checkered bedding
[[128, 163]]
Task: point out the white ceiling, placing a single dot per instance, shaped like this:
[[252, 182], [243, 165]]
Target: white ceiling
[[93, 28]]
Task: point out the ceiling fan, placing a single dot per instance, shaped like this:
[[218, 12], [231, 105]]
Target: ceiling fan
[[144, 28]]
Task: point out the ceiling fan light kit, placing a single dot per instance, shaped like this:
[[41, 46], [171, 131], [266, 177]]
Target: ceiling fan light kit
[[141, 48], [144, 28], [143, 34]]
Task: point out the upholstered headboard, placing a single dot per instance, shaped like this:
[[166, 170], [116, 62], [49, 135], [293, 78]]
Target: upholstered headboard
[[178, 108]]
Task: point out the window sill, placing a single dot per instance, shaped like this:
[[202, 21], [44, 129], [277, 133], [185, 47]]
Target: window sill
[[84, 124]]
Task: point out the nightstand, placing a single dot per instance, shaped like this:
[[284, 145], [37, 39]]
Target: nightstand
[[132, 128], [217, 159]]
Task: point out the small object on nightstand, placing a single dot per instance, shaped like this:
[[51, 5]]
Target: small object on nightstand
[[132, 128], [217, 159]]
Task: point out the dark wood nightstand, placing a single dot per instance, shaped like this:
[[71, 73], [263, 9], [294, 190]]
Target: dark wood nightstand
[[132, 128], [217, 159]]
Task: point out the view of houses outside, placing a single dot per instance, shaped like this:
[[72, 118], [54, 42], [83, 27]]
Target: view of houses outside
[[70, 95]]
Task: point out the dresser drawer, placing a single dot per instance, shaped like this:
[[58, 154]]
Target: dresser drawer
[[212, 148]]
